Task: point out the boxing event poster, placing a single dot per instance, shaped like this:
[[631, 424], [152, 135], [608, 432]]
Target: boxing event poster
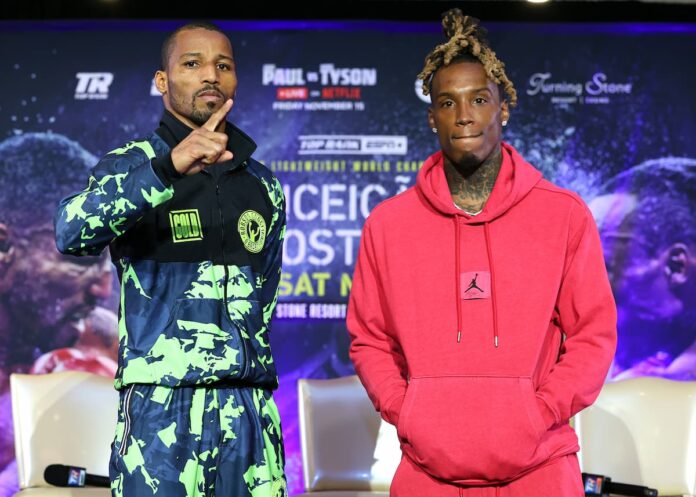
[[607, 110]]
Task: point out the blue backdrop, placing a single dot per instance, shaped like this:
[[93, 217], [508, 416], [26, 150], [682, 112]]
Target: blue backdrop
[[334, 109]]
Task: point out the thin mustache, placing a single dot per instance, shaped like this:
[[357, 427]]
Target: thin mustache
[[210, 88]]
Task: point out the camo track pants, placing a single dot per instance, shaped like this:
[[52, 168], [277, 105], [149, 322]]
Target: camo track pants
[[197, 442]]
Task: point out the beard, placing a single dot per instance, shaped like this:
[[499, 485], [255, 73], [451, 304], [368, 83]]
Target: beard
[[201, 116], [198, 114], [466, 164]]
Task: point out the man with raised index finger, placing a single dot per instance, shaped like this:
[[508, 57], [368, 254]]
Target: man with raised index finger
[[195, 227]]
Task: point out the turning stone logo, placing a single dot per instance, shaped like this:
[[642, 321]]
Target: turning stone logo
[[596, 90], [252, 229]]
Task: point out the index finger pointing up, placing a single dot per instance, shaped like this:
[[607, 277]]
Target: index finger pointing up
[[218, 116]]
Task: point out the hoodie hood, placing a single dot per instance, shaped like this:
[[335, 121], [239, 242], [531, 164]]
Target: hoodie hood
[[515, 180]]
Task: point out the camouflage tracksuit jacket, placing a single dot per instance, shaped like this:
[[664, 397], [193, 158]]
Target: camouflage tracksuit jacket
[[198, 260]]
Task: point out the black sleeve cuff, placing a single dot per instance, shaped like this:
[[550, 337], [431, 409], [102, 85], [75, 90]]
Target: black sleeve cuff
[[165, 170]]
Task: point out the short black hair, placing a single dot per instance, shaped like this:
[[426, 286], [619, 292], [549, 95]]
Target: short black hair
[[169, 40], [36, 171], [665, 190]]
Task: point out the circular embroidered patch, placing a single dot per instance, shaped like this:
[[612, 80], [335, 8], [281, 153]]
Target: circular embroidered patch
[[252, 229]]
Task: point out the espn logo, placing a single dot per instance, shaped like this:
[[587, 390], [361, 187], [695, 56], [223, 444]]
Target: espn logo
[[353, 145], [93, 85]]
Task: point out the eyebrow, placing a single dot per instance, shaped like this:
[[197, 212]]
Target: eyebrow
[[198, 54], [474, 90]]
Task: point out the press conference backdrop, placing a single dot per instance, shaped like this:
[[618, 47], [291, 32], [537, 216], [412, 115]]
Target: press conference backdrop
[[337, 114]]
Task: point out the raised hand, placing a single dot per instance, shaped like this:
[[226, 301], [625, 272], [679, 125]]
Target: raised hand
[[204, 146]]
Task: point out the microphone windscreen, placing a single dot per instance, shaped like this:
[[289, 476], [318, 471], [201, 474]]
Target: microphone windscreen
[[65, 476]]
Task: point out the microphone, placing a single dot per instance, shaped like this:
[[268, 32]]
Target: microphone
[[73, 476], [603, 486]]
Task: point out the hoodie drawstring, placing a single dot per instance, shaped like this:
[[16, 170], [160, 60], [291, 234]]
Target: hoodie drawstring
[[458, 284], [490, 267], [457, 278]]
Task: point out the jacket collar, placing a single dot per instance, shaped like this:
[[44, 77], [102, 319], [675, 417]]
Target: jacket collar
[[173, 131]]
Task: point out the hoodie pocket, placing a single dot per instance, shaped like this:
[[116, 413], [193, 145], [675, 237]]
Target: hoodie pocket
[[404, 413], [473, 429]]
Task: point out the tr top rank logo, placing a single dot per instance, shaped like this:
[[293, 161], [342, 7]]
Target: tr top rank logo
[[93, 85]]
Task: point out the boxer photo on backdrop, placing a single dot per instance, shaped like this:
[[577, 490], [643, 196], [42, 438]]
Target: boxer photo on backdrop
[[645, 218], [54, 308]]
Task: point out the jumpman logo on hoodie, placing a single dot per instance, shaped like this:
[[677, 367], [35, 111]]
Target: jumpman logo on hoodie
[[473, 284]]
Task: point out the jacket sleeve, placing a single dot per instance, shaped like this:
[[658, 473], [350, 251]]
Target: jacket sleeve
[[274, 256], [587, 316], [121, 188], [377, 356]]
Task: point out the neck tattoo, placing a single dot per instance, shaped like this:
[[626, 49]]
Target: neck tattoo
[[470, 187]]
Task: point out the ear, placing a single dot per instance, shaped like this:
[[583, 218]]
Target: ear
[[678, 264], [7, 256], [161, 81], [431, 117]]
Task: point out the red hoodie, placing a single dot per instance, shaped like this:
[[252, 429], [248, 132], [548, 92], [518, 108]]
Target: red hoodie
[[457, 322]]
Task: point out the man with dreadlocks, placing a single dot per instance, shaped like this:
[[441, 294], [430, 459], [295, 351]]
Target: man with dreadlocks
[[480, 380]]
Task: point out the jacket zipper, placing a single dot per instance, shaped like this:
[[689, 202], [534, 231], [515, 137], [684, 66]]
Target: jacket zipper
[[242, 342], [127, 422]]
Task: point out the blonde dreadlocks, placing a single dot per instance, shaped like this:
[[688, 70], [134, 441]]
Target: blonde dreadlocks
[[466, 41]]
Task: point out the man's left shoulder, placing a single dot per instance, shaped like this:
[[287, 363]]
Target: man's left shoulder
[[257, 168], [560, 194], [265, 177]]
